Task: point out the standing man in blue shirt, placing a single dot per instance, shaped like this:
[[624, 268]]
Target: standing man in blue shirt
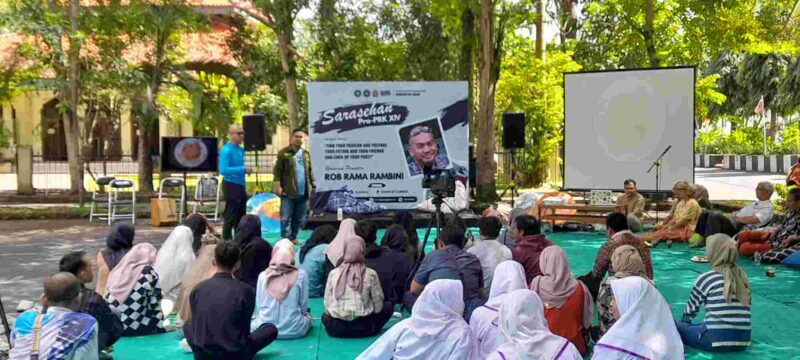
[[294, 182], [232, 169]]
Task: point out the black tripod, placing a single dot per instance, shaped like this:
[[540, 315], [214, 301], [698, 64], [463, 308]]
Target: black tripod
[[513, 184]]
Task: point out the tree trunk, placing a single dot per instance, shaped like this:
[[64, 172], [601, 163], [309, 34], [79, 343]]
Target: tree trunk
[[289, 75], [71, 122], [649, 14], [540, 29], [569, 17], [484, 122], [468, 62], [144, 160]]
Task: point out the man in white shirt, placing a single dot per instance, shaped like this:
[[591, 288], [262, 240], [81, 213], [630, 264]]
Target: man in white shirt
[[753, 216], [489, 251]]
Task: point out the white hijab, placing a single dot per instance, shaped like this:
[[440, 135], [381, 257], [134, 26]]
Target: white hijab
[[645, 328], [438, 309], [174, 259], [509, 275], [525, 331]]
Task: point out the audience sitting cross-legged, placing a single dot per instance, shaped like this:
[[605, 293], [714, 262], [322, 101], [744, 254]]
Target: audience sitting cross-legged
[[435, 330], [202, 269], [508, 276], [783, 236], [625, 261], [221, 310], [282, 295], [530, 243], [725, 291], [645, 328], [406, 220], [682, 220], [174, 260], [568, 305], [354, 303], [133, 290], [489, 251], [450, 261], [118, 243], [755, 215], [312, 258], [255, 251], [63, 333], [395, 243], [388, 264], [526, 334], [109, 327]]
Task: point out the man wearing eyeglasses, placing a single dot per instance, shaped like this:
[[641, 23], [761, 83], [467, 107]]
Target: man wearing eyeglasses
[[423, 149], [233, 171]]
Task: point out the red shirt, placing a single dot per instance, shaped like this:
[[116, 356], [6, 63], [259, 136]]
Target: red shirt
[[567, 321]]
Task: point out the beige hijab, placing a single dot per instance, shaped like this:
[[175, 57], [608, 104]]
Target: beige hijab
[[202, 269], [347, 252], [626, 261], [722, 255], [282, 273]]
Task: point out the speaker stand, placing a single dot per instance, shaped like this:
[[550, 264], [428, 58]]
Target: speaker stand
[[255, 169], [513, 185]]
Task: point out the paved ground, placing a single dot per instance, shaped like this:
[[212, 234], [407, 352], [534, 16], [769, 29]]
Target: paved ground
[[733, 185]]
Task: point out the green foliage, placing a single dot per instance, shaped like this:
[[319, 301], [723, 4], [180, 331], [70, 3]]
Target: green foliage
[[780, 203], [536, 88], [748, 140]]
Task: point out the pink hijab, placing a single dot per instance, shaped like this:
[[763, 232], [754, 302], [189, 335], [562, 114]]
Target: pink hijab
[[346, 252], [122, 279], [556, 284], [281, 267]]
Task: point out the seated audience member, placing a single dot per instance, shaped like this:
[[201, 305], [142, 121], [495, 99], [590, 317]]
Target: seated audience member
[[64, 333], [700, 194], [395, 242], [255, 251], [385, 263], [354, 303], [509, 276], [787, 233], [725, 291], [793, 178], [201, 230], [221, 310], [618, 235], [450, 261], [530, 244], [488, 250], [406, 220], [282, 295], [757, 214], [435, 330], [680, 223], [568, 305], [644, 328], [347, 229], [118, 243], [632, 204], [202, 269], [312, 258], [526, 334], [133, 291], [625, 261], [507, 237], [109, 328], [174, 260]]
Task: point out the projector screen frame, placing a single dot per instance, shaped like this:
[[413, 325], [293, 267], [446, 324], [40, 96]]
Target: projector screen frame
[[564, 127]]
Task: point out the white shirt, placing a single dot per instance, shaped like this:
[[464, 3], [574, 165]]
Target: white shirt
[[490, 253], [761, 209], [401, 343]]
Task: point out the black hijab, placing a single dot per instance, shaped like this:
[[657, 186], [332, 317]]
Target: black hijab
[[406, 220], [118, 242], [395, 238], [255, 251], [249, 229], [321, 235], [199, 225]]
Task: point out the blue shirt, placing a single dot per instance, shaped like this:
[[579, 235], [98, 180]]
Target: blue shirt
[[728, 324], [300, 173], [231, 163], [438, 264], [314, 266], [289, 315]]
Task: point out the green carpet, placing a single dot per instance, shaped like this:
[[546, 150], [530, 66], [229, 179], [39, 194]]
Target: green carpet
[[774, 309]]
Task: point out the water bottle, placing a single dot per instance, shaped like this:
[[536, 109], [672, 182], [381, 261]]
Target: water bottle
[[757, 258], [339, 214]]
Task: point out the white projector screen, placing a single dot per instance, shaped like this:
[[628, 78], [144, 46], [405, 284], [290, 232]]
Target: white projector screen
[[616, 123]]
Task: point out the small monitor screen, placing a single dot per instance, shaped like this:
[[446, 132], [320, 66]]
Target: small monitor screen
[[189, 154]]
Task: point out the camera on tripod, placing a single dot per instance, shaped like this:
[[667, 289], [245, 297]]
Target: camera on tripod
[[441, 182]]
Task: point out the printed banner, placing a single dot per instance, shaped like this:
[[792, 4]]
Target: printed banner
[[375, 137]]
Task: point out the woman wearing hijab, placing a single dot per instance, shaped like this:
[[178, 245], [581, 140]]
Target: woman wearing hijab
[[395, 244], [255, 251], [133, 292], [644, 328], [312, 258], [202, 269], [510, 276], [406, 220], [435, 330], [118, 243], [567, 302], [525, 332], [354, 305], [282, 295], [726, 292], [625, 261], [174, 260]]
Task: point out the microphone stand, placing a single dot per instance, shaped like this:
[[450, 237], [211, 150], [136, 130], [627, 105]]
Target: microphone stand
[[657, 164]]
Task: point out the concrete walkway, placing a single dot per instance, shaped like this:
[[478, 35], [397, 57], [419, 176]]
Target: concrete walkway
[[733, 185]]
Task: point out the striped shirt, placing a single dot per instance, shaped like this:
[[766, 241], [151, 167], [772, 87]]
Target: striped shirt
[[729, 323]]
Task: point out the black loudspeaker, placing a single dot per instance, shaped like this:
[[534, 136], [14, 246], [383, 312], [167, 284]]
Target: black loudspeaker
[[513, 130], [255, 133]]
